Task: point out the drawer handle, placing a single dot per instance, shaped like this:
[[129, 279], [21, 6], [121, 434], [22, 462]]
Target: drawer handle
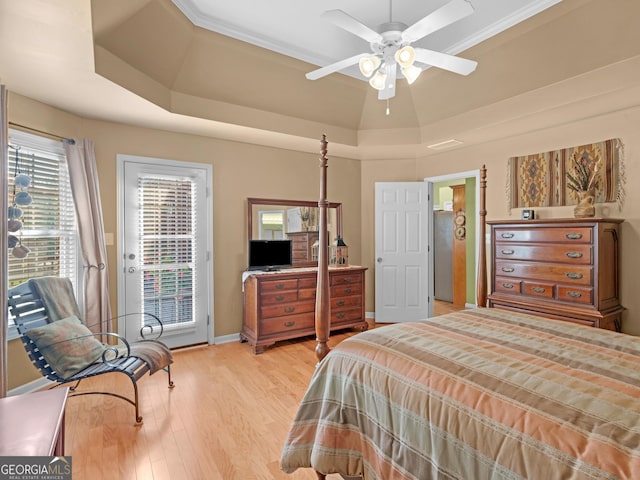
[[574, 294], [289, 324], [340, 315], [508, 285], [348, 290], [289, 309], [574, 276], [508, 269], [507, 235], [574, 236], [347, 280], [279, 298], [538, 289], [507, 252], [280, 286], [340, 303], [574, 254]]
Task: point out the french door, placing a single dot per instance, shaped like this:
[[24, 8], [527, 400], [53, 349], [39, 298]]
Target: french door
[[165, 256]]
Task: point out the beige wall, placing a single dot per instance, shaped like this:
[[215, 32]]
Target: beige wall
[[243, 170], [239, 171], [622, 124]]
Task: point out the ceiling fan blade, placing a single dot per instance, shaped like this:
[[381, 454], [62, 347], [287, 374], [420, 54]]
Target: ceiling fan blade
[[445, 61], [445, 15], [350, 24], [389, 90], [334, 67]]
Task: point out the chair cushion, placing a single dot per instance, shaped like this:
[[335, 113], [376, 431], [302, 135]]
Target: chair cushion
[[67, 345]]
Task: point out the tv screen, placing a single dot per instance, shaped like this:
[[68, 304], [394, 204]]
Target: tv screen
[[269, 254]]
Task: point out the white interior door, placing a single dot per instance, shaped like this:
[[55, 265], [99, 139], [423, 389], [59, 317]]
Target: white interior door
[[165, 257], [401, 231]]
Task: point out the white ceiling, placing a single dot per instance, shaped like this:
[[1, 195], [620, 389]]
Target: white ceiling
[[284, 26]]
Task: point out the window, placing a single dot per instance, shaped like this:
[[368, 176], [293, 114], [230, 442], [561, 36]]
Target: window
[[48, 223]]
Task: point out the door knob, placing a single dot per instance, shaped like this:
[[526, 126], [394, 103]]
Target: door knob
[[132, 256], [132, 269], [379, 259]]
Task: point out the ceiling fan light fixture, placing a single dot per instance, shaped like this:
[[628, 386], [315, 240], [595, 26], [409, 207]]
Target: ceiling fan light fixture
[[411, 73], [379, 80], [368, 65], [405, 56]]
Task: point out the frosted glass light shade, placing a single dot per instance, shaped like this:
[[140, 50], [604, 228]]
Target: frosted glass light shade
[[411, 73], [405, 56], [368, 65], [379, 80]]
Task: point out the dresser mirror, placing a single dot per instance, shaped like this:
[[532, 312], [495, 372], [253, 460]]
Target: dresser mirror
[[274, 219]]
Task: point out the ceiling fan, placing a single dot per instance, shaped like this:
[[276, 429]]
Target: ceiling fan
[[391, 47]]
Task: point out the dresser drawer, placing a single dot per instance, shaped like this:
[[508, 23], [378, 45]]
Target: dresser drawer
[[346, 302], [570, 254], [544, 234], [270, 286], [345, 279], [271, 326], [345, 315], [346, 290], [307, 282], [307, 293], [279, 297], [575, 294], [507, 285], [287, 309], [543, 290], [571, 274]]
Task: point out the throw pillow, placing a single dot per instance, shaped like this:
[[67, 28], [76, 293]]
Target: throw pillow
[[67, 345]]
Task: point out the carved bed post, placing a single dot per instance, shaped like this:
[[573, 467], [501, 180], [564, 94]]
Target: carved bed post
[[322, 288], [481, 281]]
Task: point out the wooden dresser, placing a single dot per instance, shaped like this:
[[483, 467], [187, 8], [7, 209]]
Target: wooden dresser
[[564, 269], [301, 243], [281, 305]]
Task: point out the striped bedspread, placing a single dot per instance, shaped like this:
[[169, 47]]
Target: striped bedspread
[[472, 395]]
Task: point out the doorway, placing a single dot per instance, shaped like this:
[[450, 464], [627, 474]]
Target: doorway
[[165, 225], [459, 219]]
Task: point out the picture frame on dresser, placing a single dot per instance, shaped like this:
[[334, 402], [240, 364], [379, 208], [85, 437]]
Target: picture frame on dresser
[[565, 269]]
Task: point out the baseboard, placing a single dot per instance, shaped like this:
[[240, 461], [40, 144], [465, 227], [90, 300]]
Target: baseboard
[[30, 387], [371, 315], [234, 337]]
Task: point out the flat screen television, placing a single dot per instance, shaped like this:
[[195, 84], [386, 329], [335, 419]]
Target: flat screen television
[[269, 254]]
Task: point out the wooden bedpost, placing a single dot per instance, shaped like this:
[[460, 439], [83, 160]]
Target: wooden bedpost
[[481, 281], [322, 287]]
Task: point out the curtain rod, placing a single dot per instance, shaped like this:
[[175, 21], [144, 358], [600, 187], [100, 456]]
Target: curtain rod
[[41, 132]]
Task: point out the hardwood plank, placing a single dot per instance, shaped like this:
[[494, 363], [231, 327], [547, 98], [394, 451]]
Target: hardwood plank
[[227, 418]]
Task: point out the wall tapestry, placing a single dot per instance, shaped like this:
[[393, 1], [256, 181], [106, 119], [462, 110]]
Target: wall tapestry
[[540, 180]]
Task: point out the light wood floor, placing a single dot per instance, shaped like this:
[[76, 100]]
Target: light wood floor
[[226, 419]]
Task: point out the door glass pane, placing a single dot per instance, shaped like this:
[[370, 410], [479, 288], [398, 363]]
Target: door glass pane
[[166, 232]]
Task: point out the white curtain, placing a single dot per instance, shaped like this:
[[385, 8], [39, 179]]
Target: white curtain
[[4, 193], [83, 175]]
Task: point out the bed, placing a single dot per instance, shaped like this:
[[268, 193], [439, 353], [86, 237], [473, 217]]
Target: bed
[[477, 394]]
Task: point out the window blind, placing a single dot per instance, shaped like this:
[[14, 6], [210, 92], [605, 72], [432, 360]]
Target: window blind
[[48, 223], [166, 232]]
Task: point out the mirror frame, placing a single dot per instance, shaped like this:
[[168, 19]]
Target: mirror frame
[[292, 203]]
